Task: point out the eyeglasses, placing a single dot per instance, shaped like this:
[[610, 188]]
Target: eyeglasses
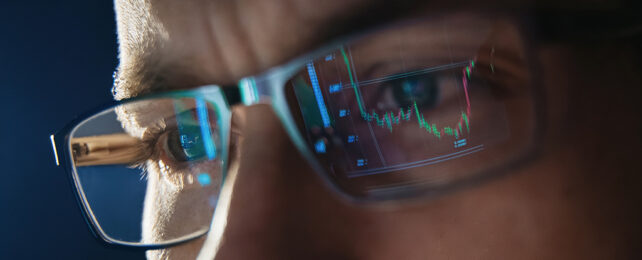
[[408, 110]]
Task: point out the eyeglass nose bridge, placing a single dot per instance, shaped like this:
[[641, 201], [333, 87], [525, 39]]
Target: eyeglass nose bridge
[[249, 92]]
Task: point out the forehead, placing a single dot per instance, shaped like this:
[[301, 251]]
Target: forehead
[[167, 45]]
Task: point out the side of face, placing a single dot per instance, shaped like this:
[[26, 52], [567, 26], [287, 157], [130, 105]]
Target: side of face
[[575, 200]]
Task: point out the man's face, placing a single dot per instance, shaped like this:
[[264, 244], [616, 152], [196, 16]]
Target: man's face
[[575, 200]]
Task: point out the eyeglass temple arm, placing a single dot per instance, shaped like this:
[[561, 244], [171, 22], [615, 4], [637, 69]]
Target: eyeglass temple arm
[[107, 150]]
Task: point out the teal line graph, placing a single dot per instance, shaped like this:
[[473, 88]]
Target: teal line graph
[[389, 119]]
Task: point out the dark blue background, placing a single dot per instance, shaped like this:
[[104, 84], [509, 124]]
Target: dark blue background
[[56, 61]]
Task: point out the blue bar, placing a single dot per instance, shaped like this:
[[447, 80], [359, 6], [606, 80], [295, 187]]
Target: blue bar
[[351, 139], [318, 95], [334, 88], [204, 122], [319, 146], [343, 113]]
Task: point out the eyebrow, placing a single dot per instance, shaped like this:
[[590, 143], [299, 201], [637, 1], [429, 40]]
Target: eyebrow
[[153, 76]]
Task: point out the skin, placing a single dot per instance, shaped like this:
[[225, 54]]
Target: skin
[[578, 199]]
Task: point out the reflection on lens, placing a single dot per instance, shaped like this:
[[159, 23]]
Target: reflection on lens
[[416, 107], [149, 171]]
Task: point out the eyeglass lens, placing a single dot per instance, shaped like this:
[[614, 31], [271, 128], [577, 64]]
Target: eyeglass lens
[[144, 169], [417, 106]]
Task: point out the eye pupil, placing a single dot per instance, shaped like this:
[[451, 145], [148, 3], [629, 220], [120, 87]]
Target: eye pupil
[[422, 89], [187, 142], [407, 87], [186, 145]]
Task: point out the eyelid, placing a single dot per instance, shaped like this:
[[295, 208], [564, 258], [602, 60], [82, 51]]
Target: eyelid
[[155, 142], [155, 130], [382, 68], [151, 136], [385, 85], [148, 142]]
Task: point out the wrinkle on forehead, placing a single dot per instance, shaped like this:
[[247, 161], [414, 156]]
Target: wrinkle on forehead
[[167, 45]]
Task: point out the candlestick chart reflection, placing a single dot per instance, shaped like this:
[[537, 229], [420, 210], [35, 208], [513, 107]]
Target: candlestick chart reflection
[[386, 116]]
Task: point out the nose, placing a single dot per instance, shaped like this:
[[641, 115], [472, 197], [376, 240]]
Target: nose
[[279, 207]]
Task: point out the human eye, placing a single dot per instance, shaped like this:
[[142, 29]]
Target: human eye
[[180, 141], [186, 145], [424, 90], [413, 95], [184, 140]]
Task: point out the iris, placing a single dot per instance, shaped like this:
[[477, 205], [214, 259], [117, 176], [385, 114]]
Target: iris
[[186, 144], [422, 89]]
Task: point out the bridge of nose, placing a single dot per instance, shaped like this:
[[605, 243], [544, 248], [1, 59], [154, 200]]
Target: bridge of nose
[[279, 206]]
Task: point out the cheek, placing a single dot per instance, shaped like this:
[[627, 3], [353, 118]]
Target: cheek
[[556, 207], [524, 214], [178, 203]]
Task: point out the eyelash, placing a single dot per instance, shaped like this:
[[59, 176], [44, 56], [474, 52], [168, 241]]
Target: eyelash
[[154, 134], [148, 141]]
